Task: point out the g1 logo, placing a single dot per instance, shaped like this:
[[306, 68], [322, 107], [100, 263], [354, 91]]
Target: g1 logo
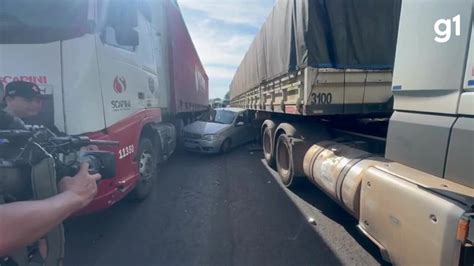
[[442, 28]]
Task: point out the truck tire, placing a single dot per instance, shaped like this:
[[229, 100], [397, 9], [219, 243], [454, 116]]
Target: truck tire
[[147, 167], [284, 160], [267, 143]]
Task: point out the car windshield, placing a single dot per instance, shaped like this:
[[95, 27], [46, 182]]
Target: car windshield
[[32, 21], [223, 117]]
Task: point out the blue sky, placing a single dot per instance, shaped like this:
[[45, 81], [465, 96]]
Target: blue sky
[[222, 31]]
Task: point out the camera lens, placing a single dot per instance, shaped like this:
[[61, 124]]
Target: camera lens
[[94, 163]]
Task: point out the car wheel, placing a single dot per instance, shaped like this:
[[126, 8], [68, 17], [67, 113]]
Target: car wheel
[[225, 147]]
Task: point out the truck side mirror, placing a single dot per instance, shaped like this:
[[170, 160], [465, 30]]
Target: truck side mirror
[[127, 37], [239, 124]]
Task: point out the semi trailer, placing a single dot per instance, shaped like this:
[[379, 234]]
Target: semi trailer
[[373, 102]]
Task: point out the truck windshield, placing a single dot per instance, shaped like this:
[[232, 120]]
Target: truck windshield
[[33, 21], [223, 117]]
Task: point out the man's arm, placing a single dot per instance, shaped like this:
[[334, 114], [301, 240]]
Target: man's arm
[[22, 223]]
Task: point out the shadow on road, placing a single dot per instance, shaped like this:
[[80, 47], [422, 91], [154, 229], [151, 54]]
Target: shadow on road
[[314, 196], [204, 210]]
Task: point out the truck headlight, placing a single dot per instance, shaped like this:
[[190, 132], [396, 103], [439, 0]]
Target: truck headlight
[[210, 137]]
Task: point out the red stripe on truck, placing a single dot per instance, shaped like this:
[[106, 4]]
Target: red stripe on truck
[[127, 132]]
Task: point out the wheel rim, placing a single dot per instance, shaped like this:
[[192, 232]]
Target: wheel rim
[[146, 166], [284, 161]]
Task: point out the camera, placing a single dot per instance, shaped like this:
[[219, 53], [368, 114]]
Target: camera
[[33, 157], [100, 162]]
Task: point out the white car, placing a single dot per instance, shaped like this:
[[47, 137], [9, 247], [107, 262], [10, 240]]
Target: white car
[[225, 129]]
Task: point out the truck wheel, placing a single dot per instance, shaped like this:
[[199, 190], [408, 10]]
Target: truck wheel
[[284, 160], [267, 144], [147, 164], [225, 148]]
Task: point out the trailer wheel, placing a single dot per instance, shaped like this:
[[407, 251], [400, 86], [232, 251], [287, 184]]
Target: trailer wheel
[[284, 160], [147, 166], [267, 144]]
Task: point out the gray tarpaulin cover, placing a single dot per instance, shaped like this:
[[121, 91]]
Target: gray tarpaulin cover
[[342, 34]]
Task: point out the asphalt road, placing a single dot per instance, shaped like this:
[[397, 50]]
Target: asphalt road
[[220, 210]]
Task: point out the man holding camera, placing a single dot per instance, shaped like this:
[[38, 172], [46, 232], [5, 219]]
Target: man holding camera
[[22, 223]]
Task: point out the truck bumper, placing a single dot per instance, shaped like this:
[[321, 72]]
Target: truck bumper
[[110, 192]]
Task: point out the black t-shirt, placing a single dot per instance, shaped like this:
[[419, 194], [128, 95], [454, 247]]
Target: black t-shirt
[[10, 122]]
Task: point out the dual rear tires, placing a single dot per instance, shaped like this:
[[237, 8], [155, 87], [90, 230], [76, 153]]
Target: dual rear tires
[[284, 160], [278, 154]]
